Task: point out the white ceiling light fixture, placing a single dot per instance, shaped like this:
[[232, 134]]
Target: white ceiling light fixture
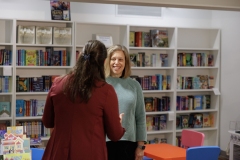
[[147, 11]]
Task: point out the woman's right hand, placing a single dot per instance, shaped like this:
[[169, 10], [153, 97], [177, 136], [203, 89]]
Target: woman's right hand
[[121, 116]]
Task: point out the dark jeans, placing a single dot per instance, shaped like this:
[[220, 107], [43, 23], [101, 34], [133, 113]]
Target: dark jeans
[[121, 150]]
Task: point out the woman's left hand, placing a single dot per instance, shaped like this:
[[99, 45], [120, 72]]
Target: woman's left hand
[[139, 154]]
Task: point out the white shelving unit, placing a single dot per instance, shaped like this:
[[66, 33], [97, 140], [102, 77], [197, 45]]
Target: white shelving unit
[[180, 40], [37, 71], [7, 42], [202, 40]]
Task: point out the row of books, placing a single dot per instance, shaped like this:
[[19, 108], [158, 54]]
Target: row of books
[[32, 107], [5, 57], [156, 123], [34, 129], [194, 59], [153, 104], [141, 59], [195, 120], [197, 82], [153, 38], [154, 82], [49, 57], [157, 140], [193, 102], [5, 84], [34, 84]]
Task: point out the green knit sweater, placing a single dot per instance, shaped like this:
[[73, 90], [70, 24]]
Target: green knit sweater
[[131, 103]]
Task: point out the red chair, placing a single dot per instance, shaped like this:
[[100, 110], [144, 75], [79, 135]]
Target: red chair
[[191, 138]]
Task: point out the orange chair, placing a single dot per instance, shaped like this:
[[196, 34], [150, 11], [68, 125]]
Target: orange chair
[[191, 138]]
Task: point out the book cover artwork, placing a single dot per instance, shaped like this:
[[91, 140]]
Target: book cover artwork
[[60, 10]]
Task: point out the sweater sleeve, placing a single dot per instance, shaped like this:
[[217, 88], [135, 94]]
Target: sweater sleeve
[[48, 114], [140, 116], [112, 123]]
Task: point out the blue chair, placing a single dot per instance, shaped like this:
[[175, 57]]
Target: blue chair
[[37, 153], [147, 158], [203, 153]]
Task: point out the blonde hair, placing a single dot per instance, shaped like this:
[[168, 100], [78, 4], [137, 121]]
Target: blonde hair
[[127, 70]]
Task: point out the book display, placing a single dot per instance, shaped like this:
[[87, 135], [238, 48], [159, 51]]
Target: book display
[[179, 76]]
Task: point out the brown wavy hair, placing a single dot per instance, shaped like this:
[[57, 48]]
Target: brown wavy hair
[[88, 70]]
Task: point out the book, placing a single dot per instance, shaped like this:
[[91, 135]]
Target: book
[[163, 122], [37, 84], [40, 107], [5, 109], [22, 84], [206, 120], [31, 58], [138, 39], [146, 39], [198, 101], [20, 107], [60, 10], [198, 120], [184, 121], [56, 58], [159, 38], [164, 60], [149, 123], [148, 104], [210, 82], [133, 58], [203, 81], [131, 38]]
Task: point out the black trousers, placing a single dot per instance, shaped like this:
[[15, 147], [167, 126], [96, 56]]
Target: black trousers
[[121, 150]]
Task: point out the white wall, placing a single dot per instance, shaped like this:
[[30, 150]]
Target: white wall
[[103, 13], [230, 66]]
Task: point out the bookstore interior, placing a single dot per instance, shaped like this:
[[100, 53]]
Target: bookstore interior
[[178, 69]]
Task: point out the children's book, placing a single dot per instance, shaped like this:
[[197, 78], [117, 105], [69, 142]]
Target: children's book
[[148, 104], [5, 109], [40, 107], [198, 120], [60, 10], [31, 57], [20, 107]]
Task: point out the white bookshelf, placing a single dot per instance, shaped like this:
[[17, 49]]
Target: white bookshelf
[[180, 40], [202, 40], [7, 42]]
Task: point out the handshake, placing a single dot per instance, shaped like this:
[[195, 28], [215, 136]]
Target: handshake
[[121, 116]]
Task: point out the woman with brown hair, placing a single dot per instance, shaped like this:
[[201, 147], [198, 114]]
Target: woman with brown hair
[[83, 109]]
